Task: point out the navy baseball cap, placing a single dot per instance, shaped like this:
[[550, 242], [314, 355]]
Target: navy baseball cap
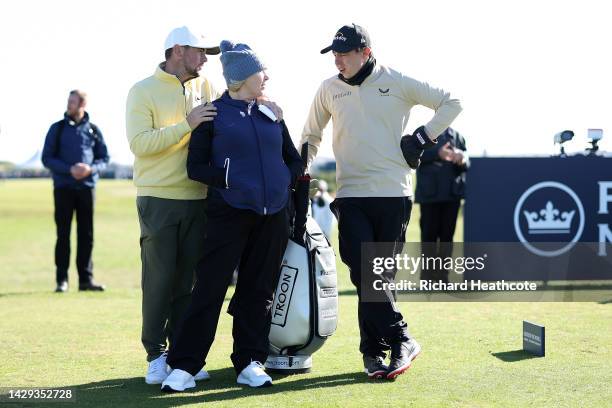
[[348, 38]]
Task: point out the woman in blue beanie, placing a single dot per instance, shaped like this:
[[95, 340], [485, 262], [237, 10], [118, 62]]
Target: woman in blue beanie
[[249, 163]]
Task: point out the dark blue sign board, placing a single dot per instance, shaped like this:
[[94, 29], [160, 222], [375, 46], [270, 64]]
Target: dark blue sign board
[[534, 339], [549, 205]]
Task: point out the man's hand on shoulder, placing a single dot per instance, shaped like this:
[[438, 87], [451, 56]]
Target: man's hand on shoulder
[[201, 113]]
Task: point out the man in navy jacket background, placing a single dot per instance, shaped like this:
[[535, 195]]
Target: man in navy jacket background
[[75, 153], [440, 188]]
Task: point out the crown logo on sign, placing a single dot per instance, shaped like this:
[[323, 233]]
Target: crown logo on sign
[[549, 221]]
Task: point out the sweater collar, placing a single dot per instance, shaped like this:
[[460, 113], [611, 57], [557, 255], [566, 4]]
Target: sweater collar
[[374, 75], [166, 77], [362, 74]]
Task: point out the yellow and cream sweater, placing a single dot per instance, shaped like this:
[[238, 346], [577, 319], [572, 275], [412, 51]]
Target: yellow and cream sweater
[[368, 123], [158, 133]]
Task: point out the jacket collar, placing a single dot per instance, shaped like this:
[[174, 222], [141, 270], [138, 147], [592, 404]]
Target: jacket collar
[[71, 121], [226, 98]]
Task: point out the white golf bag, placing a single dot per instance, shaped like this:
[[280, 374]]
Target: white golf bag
[[305, 308]]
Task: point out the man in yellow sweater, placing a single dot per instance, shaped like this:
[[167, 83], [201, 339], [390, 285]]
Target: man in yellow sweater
[[162, 110], [370, 105]]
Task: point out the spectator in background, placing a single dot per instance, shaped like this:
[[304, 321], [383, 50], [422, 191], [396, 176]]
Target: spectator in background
[[320, 209], [75, 153], [440, 188]]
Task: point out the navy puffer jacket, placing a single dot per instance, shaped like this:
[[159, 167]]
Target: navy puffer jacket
[[249, 159]]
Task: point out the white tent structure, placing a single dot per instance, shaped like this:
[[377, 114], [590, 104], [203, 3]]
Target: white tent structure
[[33, 163]]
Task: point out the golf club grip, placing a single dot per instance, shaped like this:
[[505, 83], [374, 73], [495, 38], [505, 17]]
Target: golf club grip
[[304, 154], [301, 197]]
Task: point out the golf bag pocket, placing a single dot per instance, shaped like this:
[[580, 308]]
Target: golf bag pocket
[[291, 309], [327, 302]]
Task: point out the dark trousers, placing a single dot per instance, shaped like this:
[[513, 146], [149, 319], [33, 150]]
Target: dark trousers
[[373, 219], [256, 244], [67, 201], [438, 221]]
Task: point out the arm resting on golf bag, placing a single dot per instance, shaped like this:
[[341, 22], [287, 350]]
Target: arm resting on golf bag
[[198, 158]]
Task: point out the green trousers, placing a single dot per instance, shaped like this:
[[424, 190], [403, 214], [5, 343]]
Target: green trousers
[[171, 239]]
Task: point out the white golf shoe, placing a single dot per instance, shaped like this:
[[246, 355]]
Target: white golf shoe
[[202, 375], [158, 370], [254, 376], [178, 381]]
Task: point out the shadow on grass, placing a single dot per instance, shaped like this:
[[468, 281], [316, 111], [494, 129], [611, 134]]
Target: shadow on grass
[[222, 387], [605, 302], [13, 294], [514, 355]]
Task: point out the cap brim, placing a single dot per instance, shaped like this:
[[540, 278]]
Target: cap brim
[[326, 50], [338, 48], [212, 50]]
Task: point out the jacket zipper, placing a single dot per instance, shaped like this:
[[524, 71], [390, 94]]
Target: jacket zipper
[[226, 165], [263, 179], [184, 96]]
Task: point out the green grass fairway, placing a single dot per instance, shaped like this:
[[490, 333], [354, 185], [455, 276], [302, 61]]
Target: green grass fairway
[[91, 342]]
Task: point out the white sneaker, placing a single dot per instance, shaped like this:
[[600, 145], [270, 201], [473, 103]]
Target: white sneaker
[[254, 376], [202, 375], [158, 370], [177, 381]]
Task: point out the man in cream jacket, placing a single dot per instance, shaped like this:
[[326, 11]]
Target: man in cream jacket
[[369, 105]]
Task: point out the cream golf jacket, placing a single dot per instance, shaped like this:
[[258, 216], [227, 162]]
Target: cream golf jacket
[[158, 134], [368, 123]]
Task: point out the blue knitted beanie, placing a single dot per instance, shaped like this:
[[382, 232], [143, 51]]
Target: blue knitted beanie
[[239, 61]]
